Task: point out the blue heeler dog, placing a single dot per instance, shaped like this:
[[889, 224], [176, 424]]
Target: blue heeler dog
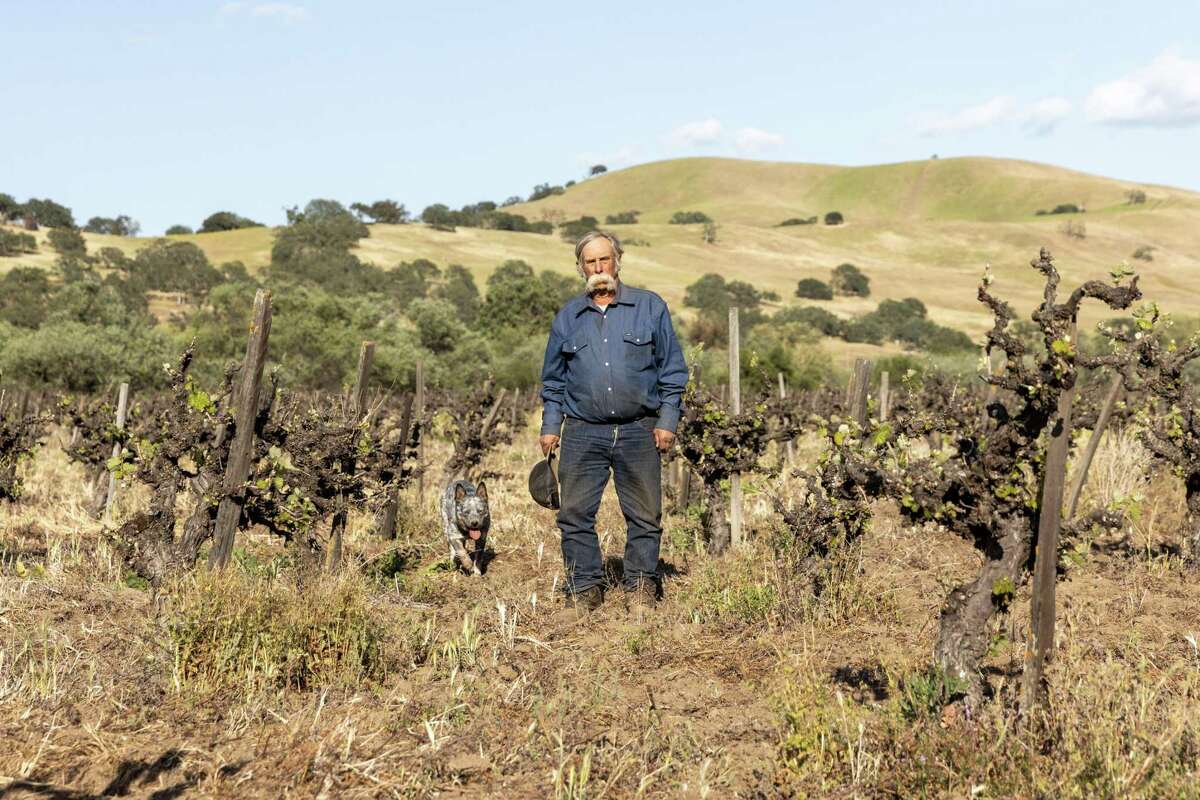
[[465, 515]]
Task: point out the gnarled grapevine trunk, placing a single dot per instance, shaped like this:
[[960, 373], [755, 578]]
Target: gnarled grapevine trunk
[[963, 636], [1193, 519], [715, 519]]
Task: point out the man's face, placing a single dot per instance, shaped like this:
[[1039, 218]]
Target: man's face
[[598, 258]]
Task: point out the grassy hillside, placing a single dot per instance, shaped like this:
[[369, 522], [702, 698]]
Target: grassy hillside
[[923, 229]]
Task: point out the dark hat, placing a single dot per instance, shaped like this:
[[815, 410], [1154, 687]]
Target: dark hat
[[543, 483]]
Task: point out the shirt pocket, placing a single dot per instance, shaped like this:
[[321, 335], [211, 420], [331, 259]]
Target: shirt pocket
[[639, 348], [573, 347]]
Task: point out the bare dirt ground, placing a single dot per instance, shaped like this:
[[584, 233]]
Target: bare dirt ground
[[736, 686]]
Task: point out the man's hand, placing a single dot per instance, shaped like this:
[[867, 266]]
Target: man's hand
[[663, 439], [548, 442]]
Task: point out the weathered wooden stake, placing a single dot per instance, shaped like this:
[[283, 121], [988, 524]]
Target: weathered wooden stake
[[387, 523], [357, 408], [735, 405], [1085, 463], [418, 415], [885, 396], [237, 469], [1045, 571], [860, 385], [788, 447], [122, 413]]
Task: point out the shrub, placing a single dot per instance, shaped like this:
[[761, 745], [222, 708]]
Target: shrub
[[15, 243], [1144, 253], [171, 266], [1135, 197], [387, 212], [689, 218], [710, 233], [848, 279], [439, 217], [797, 221], [459, 290], [122, 225], [24, 293], [622, 218], [544, 190], [10, 209], [574, 230], [813, 289], [867, 329], [67, 241], [179, 230], [597, 169], [834, 218], [542, 226], [226, 221], [818, 319], [1065, 208], [48, 214], [439, 324], [894, 313], [503, 221], [85, 358]]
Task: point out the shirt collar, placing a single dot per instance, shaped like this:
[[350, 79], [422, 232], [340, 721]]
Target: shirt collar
[[622, 298]]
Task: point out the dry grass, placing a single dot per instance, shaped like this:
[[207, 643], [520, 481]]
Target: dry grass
[[480, 688], [924, 229]]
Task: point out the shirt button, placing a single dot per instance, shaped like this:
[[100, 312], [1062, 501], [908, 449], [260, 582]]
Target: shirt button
[[606, 363], [606, 340], [610, 388]]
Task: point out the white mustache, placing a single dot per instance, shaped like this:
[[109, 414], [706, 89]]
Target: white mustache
[[601, 282]]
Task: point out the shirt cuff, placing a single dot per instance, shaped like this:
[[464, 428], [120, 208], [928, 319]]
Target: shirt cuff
[[668, 418], [552, 419]]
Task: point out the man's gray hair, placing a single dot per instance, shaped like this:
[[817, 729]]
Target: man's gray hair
[[592, 236]]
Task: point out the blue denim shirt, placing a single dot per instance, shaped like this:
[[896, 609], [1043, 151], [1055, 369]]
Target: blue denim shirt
[[614, 364]]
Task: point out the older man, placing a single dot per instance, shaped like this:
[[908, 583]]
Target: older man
[[612, 381]]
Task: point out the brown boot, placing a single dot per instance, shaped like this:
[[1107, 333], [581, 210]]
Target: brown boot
[[641, 597], [585, 601]]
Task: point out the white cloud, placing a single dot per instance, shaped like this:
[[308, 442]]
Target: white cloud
[[1044, 115], [695, 134], [755, 140], [287, 12], [970, 118], [1164, 93]]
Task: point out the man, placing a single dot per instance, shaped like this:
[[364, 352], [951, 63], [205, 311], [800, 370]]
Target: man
[[612, 381]]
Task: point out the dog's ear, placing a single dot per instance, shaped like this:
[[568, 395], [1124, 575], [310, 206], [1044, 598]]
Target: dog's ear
[[481, 491], [459, 492]]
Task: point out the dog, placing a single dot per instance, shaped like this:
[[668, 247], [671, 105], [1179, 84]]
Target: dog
[[465, 515]]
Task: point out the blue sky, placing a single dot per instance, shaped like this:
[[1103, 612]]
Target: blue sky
[[167, 111]]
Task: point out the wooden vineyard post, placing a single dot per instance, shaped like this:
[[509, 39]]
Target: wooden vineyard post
[[1110, 402], [735, 406], [355, 411], [1045, 570], [789, 448], [237, 468], [122, 413], [885, 396], [860, 385], [391, 509], [418, 415]]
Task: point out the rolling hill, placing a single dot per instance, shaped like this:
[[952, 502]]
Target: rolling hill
[[924, 229]]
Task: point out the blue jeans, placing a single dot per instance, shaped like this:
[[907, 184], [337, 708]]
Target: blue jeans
[[588, 452]]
